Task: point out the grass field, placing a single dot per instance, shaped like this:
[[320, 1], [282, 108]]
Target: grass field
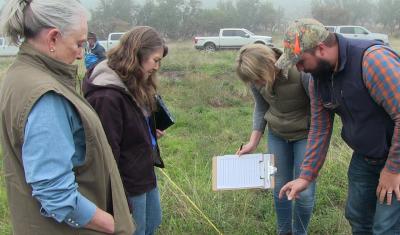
[[213, 110]]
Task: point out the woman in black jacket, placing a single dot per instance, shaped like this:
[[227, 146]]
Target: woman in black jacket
[[122, 90]]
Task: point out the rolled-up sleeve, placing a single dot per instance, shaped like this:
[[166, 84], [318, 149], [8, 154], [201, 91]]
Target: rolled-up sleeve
[[47, 155], [381, 74], [319, 136]]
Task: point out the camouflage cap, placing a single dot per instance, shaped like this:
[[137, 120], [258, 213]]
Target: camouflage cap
[[301, 35]]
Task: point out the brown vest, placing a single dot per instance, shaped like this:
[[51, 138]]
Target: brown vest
[[288, 115], [32, 75]]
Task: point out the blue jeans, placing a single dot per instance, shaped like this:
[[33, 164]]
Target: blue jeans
[[363, 211], [288, 158], [146, 212]]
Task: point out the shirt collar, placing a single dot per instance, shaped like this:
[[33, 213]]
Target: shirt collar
[[63, 71]]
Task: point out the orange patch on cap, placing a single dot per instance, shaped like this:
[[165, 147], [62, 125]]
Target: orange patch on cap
[[297, 49]]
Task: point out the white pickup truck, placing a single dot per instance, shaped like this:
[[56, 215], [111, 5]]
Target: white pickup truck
[[6, 49], [112, 40], [230, 38], [352, 31]]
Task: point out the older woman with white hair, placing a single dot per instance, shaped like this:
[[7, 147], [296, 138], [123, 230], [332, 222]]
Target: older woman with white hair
[[60, 173]]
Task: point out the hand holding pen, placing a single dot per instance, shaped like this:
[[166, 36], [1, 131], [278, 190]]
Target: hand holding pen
[[247, 148]]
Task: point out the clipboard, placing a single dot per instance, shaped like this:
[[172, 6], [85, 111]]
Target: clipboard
[[249, 171], [163, 117]]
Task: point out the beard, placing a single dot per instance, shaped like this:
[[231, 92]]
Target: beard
[[323, 70]]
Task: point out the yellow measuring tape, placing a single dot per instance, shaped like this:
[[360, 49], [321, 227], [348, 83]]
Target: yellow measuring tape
[[191, 202]]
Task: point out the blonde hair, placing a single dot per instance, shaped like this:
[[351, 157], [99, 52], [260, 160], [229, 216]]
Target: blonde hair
[[126, 58], [257, 62], [26, 18]]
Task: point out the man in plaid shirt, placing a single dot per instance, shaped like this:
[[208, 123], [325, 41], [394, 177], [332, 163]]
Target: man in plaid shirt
[[358, 80]]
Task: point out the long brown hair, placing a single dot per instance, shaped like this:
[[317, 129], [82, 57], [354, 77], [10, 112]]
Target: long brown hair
[[126, 58]]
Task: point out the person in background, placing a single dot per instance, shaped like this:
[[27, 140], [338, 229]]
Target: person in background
[[122, 90], [281, 102], [59, 170], [359, 81], [95, 53]]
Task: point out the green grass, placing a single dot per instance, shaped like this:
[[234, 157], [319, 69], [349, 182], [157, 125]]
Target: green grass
[[213, 110], [5, 226], [214, 113]]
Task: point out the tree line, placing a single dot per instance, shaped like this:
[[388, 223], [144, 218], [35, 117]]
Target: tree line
[[183, 19], [384, 14]]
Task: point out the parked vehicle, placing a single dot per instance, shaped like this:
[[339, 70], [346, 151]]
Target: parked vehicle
[[230, 38], [6, 49], [112, 40], [352, 31]]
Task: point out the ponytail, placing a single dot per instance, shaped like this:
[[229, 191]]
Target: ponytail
[[12, 19], [26, 18]]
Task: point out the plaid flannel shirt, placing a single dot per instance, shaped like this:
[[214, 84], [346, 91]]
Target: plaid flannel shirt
[[381, 75]]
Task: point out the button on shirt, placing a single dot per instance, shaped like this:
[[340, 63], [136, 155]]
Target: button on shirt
[[54, 143]]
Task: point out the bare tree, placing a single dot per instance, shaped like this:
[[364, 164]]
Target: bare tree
[[389, 14], [183, 18], [112, 16]]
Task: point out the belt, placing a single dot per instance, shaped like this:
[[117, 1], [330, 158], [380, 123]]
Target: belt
[[375, 161]]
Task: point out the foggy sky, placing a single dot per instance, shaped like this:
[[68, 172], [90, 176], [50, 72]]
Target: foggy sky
[[293, 9]]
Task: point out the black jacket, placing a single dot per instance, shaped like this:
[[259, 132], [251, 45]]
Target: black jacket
[[126, 128]]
